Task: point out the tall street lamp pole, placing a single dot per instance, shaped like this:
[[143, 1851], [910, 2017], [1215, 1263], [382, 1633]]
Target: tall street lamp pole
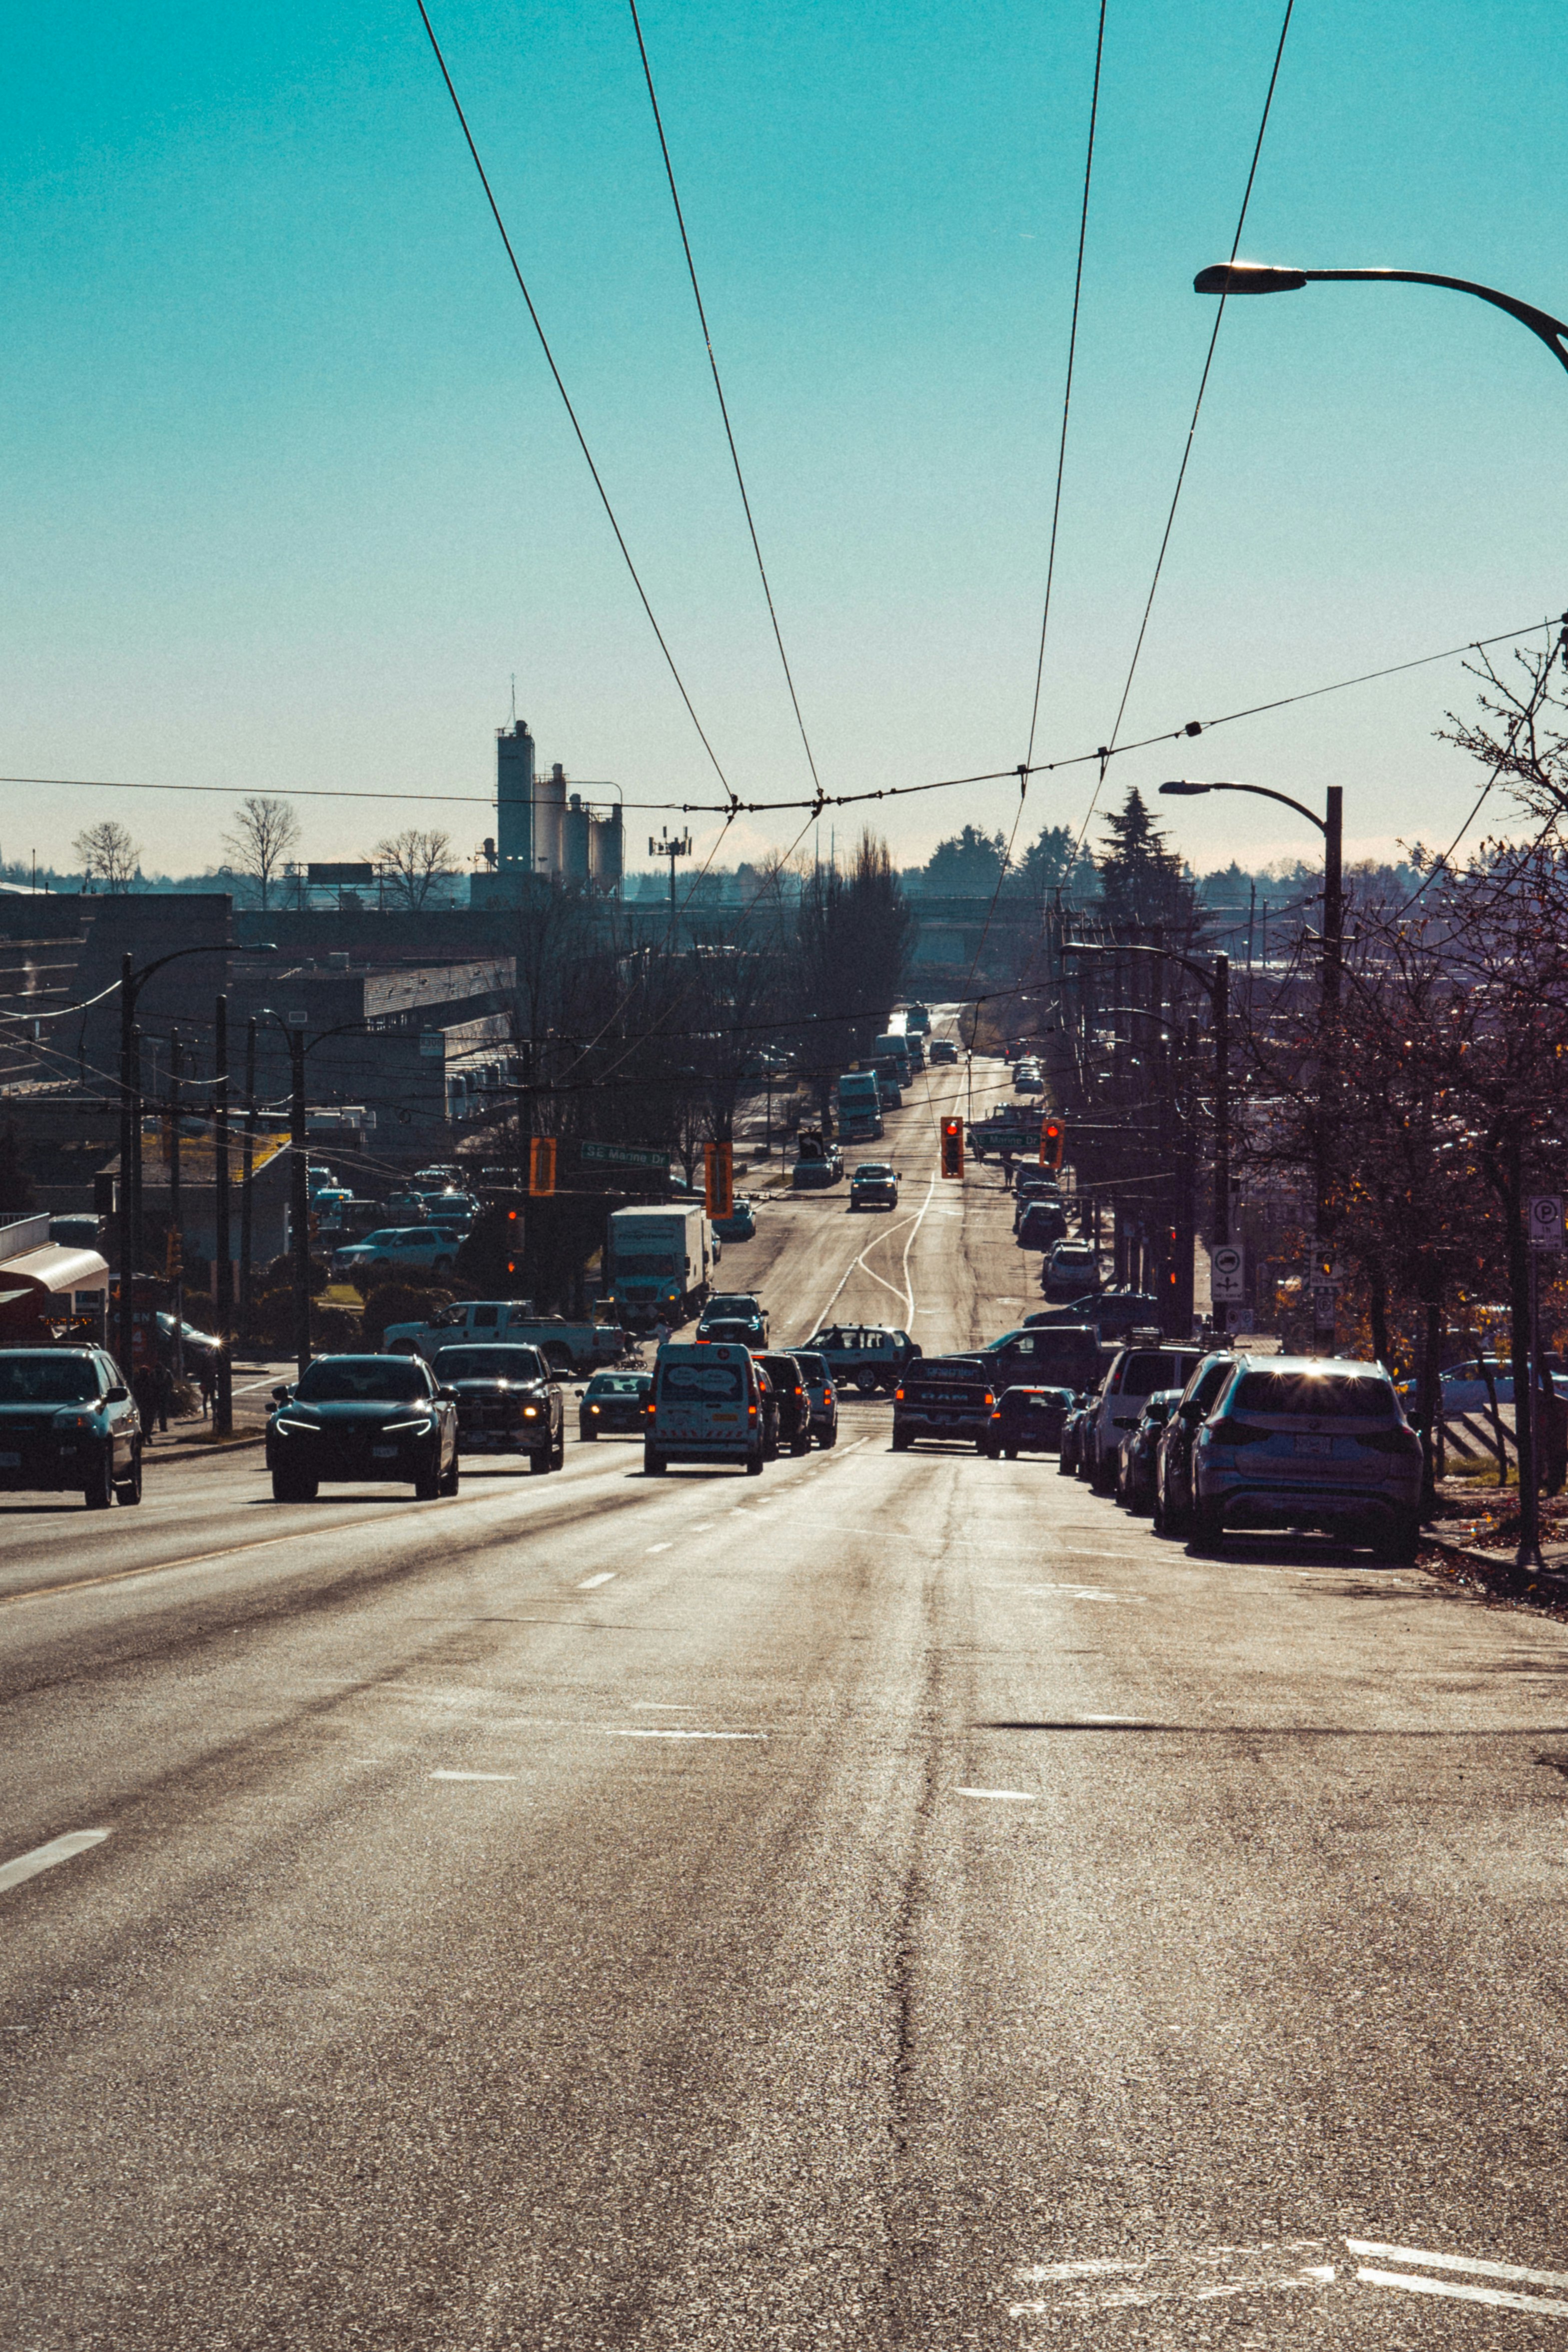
[[1261, 278], [1217, 982], [132, 984], [1332, 826]]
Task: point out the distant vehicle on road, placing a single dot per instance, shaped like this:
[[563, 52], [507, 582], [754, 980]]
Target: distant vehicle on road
[[739, 1225], [422, 1246], [867, 1357], [819, 1163], [658, 1262], [67, 1421], [707, 1406], [1135, 1455], [892, 1077], [794, 1403], [1300, 1441], [874, 1185], [741, 1308], [859, 1106], [944, 1400], [1041, 1224], [614, 1404], [1027, 1421], [917, 1020], [824, 1397], [942, 1049], [509, 1402], [363, 1418], [574, 1348], [1172, 1503], [1072, 1268]]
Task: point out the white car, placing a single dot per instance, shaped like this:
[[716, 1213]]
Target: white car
[[432, 1246], [1136, 1375]]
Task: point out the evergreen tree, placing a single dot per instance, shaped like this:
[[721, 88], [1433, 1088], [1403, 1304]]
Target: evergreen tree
[[966, 865], [1142, 881]]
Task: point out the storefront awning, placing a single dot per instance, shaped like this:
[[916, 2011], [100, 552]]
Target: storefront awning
[[44, 1282]]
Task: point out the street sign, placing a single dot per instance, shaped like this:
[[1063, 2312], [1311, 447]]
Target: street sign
[[1228, 1272], [1546, 1221], [625, 1155]]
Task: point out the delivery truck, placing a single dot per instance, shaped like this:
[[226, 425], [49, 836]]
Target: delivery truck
[[859, 1106], [659, 1262]]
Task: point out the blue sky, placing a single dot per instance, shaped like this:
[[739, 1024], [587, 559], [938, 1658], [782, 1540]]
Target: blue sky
[[288, 495]]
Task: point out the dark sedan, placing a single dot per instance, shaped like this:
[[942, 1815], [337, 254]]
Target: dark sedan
[[1028, 1420], [67, 1421], [614, 1404], [1135, 1454], [358, 1418], [508, 1400]]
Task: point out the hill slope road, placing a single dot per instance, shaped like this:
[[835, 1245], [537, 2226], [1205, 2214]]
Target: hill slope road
[[893, 1902]]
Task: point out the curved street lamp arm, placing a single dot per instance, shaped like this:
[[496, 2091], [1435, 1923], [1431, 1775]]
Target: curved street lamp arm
[[1264, 792], [1553, 332], [1210, 980]]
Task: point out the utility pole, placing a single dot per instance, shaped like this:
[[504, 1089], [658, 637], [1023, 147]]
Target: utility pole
[[247, 1196], [138, 1233], [176, 1266], [223, 1263], [671, 845], [127, 1026], [1324, 1325], [300, 1202]]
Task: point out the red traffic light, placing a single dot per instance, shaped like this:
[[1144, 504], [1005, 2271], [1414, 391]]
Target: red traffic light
[[1052, 1138], [952, 1147]]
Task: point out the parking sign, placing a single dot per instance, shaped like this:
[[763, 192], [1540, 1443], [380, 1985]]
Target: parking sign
[[1546, 1221]]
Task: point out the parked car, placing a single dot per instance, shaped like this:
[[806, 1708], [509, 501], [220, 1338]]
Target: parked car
[[68, 1422], [941, 1049], [1027, 1421], [424, 1246], [1135, 1455], [866, 1357], [1041, 1224], [509, 1402], [1071, 1269], [794, 1404], [1136, 1374], [614, 1404], [1066, 1451], [944, 1400], [874, 1185], [1172, 1501], [1301, 1441], [361, 1418], [824, 1396]]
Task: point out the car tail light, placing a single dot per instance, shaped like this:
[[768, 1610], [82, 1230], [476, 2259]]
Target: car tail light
[[753, 1412], [1390, 1441], [897, 1396], [989, 1397], [828, 1394], [1237, 1432]]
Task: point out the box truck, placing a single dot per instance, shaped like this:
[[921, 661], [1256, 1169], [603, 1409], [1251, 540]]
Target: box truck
[[658, 1262]]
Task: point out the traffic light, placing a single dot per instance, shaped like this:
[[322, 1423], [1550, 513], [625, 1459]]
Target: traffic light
[[719, 1177], [952, 1147], [513, 1240], [1051, 1141], [542, 1165]]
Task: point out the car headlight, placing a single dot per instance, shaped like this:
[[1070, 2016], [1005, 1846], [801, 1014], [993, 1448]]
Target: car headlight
[[282, 1421], [414, 1428], [76, 1420], [593, 1408], [530, 1412]]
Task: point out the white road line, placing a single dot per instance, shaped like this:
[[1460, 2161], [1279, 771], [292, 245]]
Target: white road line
[[605, 1576], [650, 1733], [1455, 2293], [1456, 2262], [44, 1857], [473, 1776], [1004, 1796], [653, 1547]]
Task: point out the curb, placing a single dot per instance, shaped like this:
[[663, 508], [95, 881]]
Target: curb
[[1544, 1588]]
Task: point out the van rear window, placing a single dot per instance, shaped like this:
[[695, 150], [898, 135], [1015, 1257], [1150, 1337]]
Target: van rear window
[[701, 1383], [1305, 1395], [1149, 1368]]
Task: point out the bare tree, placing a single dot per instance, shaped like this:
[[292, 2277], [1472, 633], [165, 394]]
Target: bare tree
[[413, 863], [259, 841], [107, 855]]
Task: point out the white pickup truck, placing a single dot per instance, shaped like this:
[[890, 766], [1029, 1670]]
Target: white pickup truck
[[574, 1348]]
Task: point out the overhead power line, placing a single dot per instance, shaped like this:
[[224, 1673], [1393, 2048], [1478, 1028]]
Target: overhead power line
[[566, 401], [719, 388]]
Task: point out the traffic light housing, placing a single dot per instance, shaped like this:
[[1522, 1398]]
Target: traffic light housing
[[952, 1147], [719, 1177], [1053, 1136], [542, 1166]]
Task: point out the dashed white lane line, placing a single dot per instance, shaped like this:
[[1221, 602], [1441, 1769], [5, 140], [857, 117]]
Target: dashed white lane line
[[473, 1776], [1003, 1796], [1456, 2262], [653, 1547], [659, 1732], [44, 1857], [1414, 2284], [605, 1576]]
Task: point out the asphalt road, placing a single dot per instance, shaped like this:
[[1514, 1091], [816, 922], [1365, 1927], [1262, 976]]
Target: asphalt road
[[895, 1902]]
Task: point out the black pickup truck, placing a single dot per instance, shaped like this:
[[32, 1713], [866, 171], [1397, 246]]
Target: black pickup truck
[[947, 1400]]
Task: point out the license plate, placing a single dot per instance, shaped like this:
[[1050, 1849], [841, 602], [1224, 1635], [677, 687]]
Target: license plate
[[726, 1416], [1320, 1447], [383, 1452], [10, 1461]]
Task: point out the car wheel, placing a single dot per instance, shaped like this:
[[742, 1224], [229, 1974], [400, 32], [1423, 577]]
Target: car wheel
[[558, 1451], [866, 1383], [828, 1437], [292, 1489], [653, 1464], [901, 1441], [129, 1490], [755, 1466], [428, 1480], [1157, 1514], [801, 1444], [1064, 1465], [1401, 1541], [1011, 1453], [1207, 1529], [449, 1483], [586, 1435], [539, 1462], [99, 1491]]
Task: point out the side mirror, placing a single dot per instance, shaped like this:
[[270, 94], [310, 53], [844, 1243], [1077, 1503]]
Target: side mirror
[[1191, 1413], [118, 1394], [447, 1396], [281, 1396]]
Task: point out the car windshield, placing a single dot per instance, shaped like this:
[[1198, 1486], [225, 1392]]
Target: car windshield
[[47, 1380], [701, 1383], [603, 1384], [1301, 1396], [379, 1379], [490, 1364], [872, 1168]]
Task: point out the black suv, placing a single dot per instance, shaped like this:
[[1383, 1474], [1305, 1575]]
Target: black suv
[[509, 1402], [948, 1399], [793, 1400], [66, 1421]]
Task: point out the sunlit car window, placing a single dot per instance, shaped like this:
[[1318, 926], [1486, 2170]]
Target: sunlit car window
[[1306, 1395], [604, 1384], [366, 1380], [490, 1364], [47, 1380]]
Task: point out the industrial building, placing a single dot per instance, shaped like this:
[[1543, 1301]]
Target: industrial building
[[545, 833]]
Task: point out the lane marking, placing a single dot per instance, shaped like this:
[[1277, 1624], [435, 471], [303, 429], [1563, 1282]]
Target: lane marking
[[651, 1549], [1456, 2262], [1004, 1796], [605, 1576], [44, 1857], [659, 1733], [660, 1706], [1455, 2293], [473, 1776]]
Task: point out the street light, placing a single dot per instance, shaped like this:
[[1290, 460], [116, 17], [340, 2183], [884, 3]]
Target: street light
[[299, 1184], [1262, 277], [1332, 826]]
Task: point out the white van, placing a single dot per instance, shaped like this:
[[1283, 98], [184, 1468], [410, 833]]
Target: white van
[[705, 1406]]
